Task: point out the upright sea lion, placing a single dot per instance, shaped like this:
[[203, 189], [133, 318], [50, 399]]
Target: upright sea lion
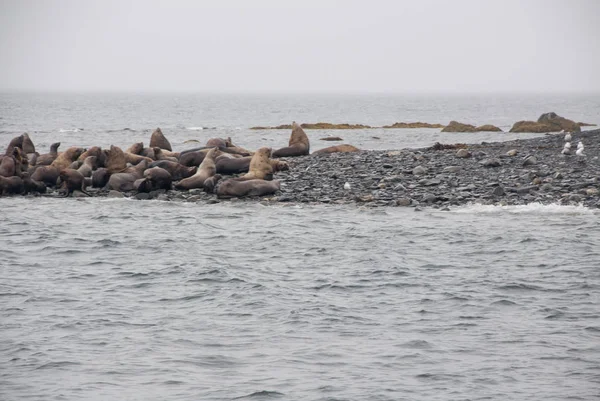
[[207, 169], [89, 165], [337, 149], [158, 140], [136, 148], [46, 174], [8, 166], [66, 158], [11, 185], [94, 151], [16, 142], [298, 144], [233, 188], [115, 159], [21, 159], [28, 146], [72, 180], [260, 166], [47, 158], [31, 185], [177, 170]]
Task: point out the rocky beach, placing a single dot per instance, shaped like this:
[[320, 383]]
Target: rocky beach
[[442, 176]]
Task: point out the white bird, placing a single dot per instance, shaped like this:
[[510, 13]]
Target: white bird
[[568, 137], [561, 132], [580, 145], [567, 145], [579, 152], [347, 186]]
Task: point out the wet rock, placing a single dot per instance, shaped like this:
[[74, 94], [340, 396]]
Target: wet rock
[[115, 194], [498, 191], [142, 196]]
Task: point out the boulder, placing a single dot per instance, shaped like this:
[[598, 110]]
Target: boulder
[[463, 153], [548, 122], [488, 128], [455, 126], [417, 124]]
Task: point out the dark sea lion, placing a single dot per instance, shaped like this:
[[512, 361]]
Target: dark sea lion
[[233, 166], [94, 151], [11, 185], [76, 164], [337, 149], [67, 157], [16, 142], [136, 148], [122, 182], [159, 178], [207, 169], [72, 180], [177, 170], [89, 165], [158, 140], [100, 178], [138, 169], [190, 159], [30, 185], [148, 152], [8, 166], [299, 144], [210, 183], [237, 189], [47, 158], [28, 146], [218, 143], [46, 174], [114, 159], [260, 166]]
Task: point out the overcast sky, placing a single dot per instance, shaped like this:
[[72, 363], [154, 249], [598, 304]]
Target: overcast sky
[[310, 46]]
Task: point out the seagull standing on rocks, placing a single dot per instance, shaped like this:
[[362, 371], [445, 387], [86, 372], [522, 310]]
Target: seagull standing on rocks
[[580, 145], [580, 150], [568, 137], [347, 186], [567, 149]]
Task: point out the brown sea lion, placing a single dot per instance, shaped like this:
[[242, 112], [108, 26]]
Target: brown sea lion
[[337, 149], [299, 144], [21, 159], [89, 165], [218, 143], [72, 180], [94, 151], [100, 178], [177, 170], [210, 183], [136, 148], [114, 159], [160, 155], [192, 158], [158, 140], [8, 166], [11, 185], [28, 146], [47, 158], [148, 152], [233, 165], [207, 169], [260, 166], [236, 189], [133, 158], [67, 157], [46, 174], [16, 142], [76, 164], [121, 182], [156, 178], [30, 185]]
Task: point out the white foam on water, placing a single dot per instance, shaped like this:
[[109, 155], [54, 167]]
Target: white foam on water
[[194, 128], [70, 130], [532, 208]]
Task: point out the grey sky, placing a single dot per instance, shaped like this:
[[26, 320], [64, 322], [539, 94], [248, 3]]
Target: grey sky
[[310, 46]]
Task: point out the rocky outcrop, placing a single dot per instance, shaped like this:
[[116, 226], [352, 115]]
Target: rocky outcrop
[[548, 122], [417, 124], [488, 128], [455, 126], [317, 126]]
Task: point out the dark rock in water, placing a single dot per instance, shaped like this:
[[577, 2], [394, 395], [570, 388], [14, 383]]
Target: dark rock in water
[[547, 122]]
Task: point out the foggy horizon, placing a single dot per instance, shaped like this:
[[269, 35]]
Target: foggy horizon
[[266, 47]]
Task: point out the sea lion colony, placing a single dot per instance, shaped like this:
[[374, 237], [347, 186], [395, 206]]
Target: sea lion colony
[[147, 169]]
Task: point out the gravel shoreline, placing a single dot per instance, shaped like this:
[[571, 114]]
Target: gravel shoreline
[[434, 178]]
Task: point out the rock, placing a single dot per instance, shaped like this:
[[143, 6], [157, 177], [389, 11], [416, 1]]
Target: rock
[[142, 196], [212, 201], [530, 161], [429, 198], [591, 191], [522, 190], [455, 126], [79, 194], [115, 194], [430, 183], [488, 128], [463, 153], [546, 187], [452, 169], [491, 162], [419, 170], [547, 122], [558, 176], [403, 202], [413, 125], [512, 152], [365, 198]]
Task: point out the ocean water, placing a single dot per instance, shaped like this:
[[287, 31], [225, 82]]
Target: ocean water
[[104, 299]]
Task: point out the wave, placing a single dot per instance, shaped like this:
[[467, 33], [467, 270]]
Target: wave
[[62, 130], [532, 208], [195, 128]]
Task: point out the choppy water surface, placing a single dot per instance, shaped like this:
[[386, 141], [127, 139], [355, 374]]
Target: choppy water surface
[[116, 299]]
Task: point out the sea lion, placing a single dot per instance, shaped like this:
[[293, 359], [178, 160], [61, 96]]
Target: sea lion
[[22, 162], [210, 183], [16, 142], [28, 146], [100, 178], [66, 158], [337, 149], [299, 144], [114, 159], [233, 165], [260, 166], [160, 155], [135, 158], [177, 170], [154, 178], [121, 182], [89, 165], [234, 188], [46, 174], [218, 143], [207, 169], [47, 158], [190, 159], [158, 140], [72, 180], [8, 166], [136, 148], [31, 185], [76, 164], [148, 152], [11, 185], [94, 151]]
